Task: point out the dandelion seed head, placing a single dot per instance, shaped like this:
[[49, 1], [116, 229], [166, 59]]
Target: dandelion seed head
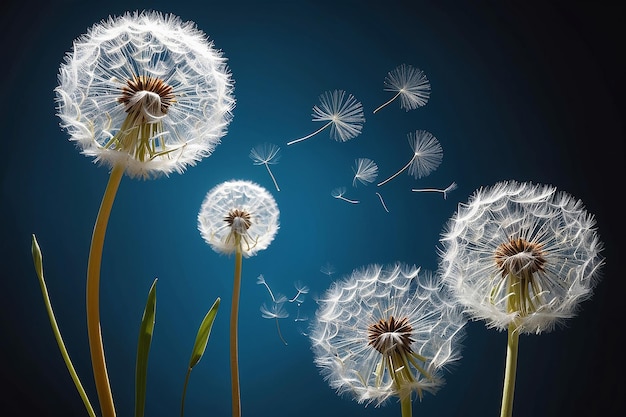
[[521, 253], [146, 90], [386, 331], [238, 214]]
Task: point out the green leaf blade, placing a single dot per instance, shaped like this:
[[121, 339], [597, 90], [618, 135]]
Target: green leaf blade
[[143, 349], [204, 331]]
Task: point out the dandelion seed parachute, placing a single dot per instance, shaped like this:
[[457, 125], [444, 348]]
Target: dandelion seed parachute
[[146, 90], [381, 315], [328, 269], [410, 85], [427, 155], [342, 113], [365, 171], [266, 154], [339, 192]]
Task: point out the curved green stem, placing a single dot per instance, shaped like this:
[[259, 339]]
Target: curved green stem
[[510, 371], [55, 328], [93, 294], [182, 403], [234, 312]]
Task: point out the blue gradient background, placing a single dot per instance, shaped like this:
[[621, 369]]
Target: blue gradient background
[[530, 91]]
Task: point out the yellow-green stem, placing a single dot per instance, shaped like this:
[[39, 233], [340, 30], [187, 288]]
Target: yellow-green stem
[[510, 371], [96, 348], [234, 313], [405, 403]]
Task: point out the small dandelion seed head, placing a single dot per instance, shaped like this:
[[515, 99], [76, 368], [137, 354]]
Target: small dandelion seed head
[[238, 215]]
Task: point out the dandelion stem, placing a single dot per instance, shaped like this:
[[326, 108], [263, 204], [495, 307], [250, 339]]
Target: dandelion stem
[[399, 172], [234, 312], [388, 102], [510, 371], [312, 134], [405, 403], [101, 377], [272, 175]]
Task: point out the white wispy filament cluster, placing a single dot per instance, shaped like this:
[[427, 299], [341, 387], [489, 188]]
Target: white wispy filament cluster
[[146, 90], [386, 331], [238, 214]]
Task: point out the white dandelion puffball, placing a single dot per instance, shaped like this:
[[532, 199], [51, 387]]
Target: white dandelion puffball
[[386, 331], [146, 90], [521, 254], [238, 214]]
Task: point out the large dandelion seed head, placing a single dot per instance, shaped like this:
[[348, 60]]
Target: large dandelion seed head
[[521, 253], [386, 331], [146, 90], [238, 214]]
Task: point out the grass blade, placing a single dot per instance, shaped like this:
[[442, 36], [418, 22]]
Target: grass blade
[[199, 346], [38, 261], [143, 349]]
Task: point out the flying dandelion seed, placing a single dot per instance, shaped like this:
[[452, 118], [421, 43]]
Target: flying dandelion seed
[[275, 311], [365, 171], [445, 191], [382, 202], [328, 269], [266, 154], [301, 290], [410, 85], [343, 114], [338, 194], [427, 155], [261, 281]]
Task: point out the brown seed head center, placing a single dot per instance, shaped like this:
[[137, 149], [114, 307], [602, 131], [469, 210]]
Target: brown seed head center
[[391, 335], [519, 255], [142, 85], [239, 219]]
